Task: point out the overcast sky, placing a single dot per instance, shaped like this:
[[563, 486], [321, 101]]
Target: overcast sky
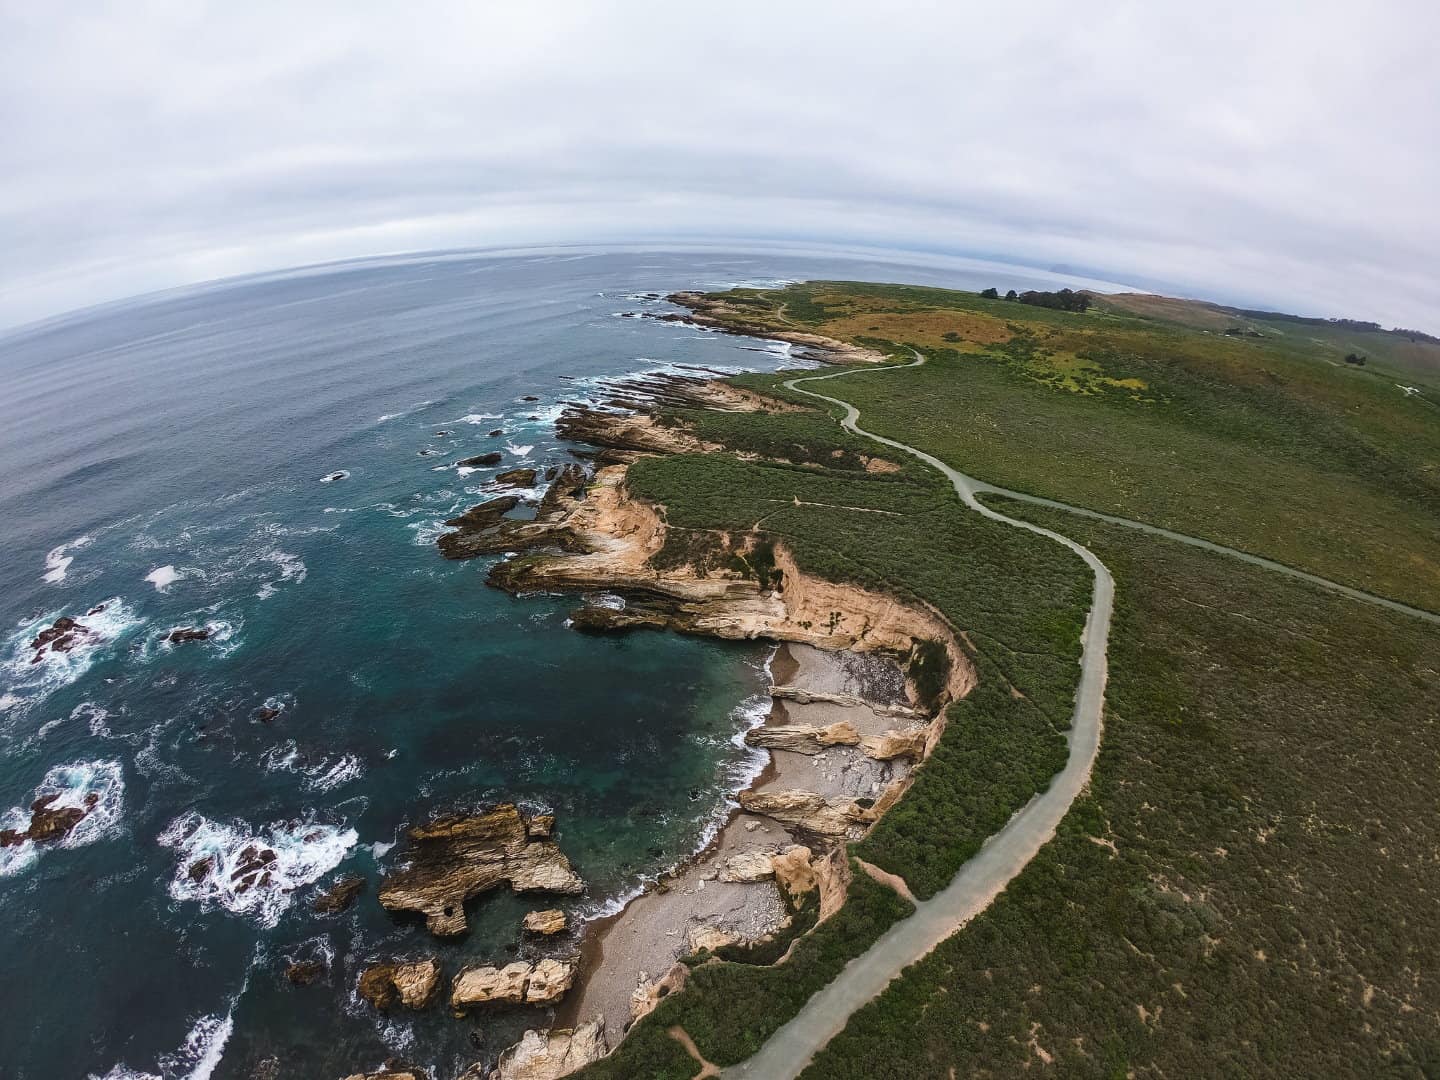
[[1272, 152]]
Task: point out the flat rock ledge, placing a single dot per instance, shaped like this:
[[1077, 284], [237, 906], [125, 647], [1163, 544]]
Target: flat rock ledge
[[806, 810], [459, 856], [541, 983]]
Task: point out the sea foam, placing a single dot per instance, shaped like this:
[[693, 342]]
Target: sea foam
[[214, 856], [58, 560]]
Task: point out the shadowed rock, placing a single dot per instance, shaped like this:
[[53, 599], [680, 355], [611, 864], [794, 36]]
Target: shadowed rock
[[340, 895]]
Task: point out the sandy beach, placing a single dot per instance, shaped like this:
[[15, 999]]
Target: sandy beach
[[624, 955]]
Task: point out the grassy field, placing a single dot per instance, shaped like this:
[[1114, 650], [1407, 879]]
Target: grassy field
[[1273, 445], [1251, 887]]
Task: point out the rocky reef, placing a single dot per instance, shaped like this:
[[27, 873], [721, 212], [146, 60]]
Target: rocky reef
[[459, 856], [48, 822]]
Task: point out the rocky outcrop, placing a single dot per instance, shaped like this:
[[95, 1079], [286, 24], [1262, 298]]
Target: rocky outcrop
[[61, 636], [459, 856], [542, 983], [188, 633], [550, 1055], [48, 822], [896, 744], [401, 1073], [611, 537], [413, 984], [713, 310], [340, 895], [545, 922], [709, 938], [802, 696], [803, 738], [540, 826], [806, 810], [481, 461], [748, 866], [516, 478], [647, 995], [484, 529], [793, 871]]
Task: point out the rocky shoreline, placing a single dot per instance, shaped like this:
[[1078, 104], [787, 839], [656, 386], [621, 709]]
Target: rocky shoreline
[[843, 735]]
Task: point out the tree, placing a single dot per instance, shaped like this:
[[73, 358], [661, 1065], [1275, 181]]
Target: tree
[[990, 294], [1012, 295]]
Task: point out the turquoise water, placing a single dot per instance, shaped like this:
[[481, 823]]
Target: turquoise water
[[253, 458]]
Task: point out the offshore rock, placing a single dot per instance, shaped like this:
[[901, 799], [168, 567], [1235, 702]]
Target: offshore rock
[[541, 983], [188, 633], [480, 461], [60, 637], [550, 1055], [517, 478], [545, 922], [48, 825], [803, 738], [340, 895], [459, 856], [411, 984], [484, 530], [807, 810], [305, 972]]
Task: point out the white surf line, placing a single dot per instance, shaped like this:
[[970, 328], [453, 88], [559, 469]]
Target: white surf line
[[1003, 855]]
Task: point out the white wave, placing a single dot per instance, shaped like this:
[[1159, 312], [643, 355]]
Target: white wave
[[197, 1057], [478, 418], [162, 577], [464, 470], [292, 568], [72, 787], [519, 451], [58, 560], [326, 774], [254, 873], [427, 532], [405, 412], [338, 474], [30, 680]]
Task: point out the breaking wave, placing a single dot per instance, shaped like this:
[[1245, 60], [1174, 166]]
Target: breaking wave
[[254, 873], [68, 787]]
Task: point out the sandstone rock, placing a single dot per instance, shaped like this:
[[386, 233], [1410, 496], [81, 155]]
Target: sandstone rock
[[710, 938], [416, 982], [517, 478], [647, 995], [802, 696], [793, 871], [454, 858], [540, 827], [476, 986], [486, 514], [552, 1054], [481, 461], [340, 895], [803, 738], [747, 866], [806, 810], [545, 922], [549, 979], [894, 744], [391, 1074]]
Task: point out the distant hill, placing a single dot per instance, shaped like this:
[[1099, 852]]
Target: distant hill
[[1403, 350]]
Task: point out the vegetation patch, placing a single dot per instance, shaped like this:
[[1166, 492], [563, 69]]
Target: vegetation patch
[[1248, 889]]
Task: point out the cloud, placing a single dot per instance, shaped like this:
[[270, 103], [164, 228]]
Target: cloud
[[1280, 154]]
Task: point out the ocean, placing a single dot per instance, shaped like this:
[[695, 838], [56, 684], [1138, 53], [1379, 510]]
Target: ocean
[[271, 459]]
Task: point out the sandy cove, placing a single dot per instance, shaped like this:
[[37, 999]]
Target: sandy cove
[[843, 733]]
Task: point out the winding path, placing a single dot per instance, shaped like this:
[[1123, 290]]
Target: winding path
[[1002, 856], [1005, 854]]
